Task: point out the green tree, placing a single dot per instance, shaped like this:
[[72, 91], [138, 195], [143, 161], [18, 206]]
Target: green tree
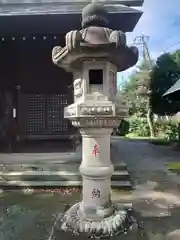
[[145, 88], [137, 103], [164, 74], [136, 93], [144, 82]]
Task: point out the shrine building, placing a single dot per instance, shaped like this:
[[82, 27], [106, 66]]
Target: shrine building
[[33, 91]]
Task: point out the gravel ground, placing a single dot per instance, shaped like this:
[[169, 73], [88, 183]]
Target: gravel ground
[[156, 197]]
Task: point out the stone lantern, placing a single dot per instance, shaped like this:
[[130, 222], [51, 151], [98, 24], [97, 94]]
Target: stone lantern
[[94, 55]]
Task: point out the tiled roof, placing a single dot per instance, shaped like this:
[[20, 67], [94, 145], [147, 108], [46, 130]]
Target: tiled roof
[[173, 89], [123, 2], [17, 14], [59, 9]]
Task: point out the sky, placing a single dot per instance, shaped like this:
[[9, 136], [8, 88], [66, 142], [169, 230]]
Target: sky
[[161, 22]]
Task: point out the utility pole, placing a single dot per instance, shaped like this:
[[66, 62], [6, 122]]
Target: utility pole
[[142, 41]]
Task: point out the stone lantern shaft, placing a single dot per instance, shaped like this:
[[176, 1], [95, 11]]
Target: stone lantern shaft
[[96, 169]]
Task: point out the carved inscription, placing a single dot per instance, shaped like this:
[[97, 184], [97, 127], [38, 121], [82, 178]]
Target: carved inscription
[[112, 83], [96, 110], [78, 89], [96, 193], [96, 122], [77, 84], [111, 79]]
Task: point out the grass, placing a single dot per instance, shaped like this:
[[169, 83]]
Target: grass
[[160, 141], [134, 136], [156, 141], [174, 166]]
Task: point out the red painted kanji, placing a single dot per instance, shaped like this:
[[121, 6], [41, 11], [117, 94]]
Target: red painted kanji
[[96, 150]]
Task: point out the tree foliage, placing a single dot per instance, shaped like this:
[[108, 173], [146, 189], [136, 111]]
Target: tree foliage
[[150, 84], [164, 74], [136, 93], [132, 94], [144, 90]]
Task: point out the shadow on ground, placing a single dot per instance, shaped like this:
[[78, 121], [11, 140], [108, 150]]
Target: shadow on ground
[[31, 216], [155, 196], [157, 200]]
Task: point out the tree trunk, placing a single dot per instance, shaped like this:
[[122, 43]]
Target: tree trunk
[[114, 132], [150, 121]]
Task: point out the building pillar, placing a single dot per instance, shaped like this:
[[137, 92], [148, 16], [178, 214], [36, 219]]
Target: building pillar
[[18, 113]]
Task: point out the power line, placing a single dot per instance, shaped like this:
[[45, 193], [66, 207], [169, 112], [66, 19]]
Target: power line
[[172, 46]]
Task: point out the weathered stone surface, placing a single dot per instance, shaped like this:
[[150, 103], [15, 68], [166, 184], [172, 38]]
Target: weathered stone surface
[[95, 40], [120, 222], [94, 55], [175, 235], [123, 57]]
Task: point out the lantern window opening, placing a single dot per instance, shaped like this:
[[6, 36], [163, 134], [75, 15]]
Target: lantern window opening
[[96, 77]]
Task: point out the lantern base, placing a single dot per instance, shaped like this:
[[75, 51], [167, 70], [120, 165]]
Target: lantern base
[[118, 223]]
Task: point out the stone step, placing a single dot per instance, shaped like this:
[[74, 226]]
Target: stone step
[[51, 166], [54, 173], [54, 176], [51, 184], [120, 175], [120, 166]]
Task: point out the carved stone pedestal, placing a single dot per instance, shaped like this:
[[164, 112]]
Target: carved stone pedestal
[[118, 222], [121, 222]]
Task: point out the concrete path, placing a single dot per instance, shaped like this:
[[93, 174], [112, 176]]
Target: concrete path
[[157, 191], [130, 151], [145, 155]]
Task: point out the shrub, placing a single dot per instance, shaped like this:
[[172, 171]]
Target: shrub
[[159, 141], [167, 130], [123, 128], [139, 127], [174, 166]]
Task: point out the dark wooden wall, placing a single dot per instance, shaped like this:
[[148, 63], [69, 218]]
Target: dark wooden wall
[[28, 63]]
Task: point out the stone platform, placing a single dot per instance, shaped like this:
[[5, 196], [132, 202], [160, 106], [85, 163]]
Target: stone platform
[[53, 170]]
